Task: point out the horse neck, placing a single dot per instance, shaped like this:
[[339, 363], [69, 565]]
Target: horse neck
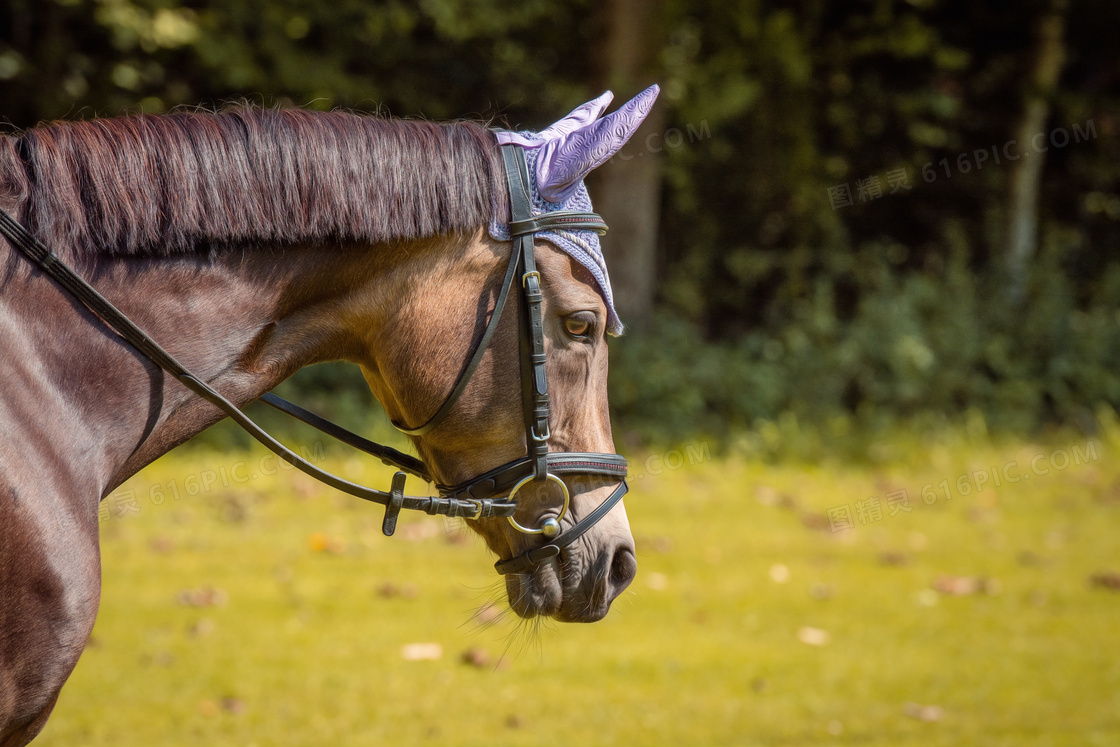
[[242, 321]]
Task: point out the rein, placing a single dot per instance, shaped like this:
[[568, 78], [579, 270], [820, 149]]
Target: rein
[[473, 499]]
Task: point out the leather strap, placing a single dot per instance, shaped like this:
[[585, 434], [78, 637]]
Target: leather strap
[[534, 380], [386, 454], [472, 499], [531, 559], [502, 479], [561, 220], [476, 356], [60, 272]]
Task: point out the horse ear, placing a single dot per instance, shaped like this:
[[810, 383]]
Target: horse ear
[[580, 117], [564, 161]]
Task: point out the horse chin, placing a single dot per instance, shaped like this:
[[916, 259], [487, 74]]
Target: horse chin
[[538, 593], [560, 591]]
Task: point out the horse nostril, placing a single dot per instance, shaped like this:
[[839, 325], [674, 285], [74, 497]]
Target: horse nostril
[[624, 566]]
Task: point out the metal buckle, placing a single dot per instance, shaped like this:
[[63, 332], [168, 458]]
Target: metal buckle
[[478, 510], [563, 510], [526, 276], [540, 439]]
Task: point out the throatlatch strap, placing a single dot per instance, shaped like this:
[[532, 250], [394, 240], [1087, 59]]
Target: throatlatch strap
[[476, 357]]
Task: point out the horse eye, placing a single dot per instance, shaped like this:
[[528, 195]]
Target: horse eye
[[577, 326]]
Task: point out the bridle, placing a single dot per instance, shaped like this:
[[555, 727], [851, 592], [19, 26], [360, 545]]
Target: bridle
[[473, 499], [539, 464]]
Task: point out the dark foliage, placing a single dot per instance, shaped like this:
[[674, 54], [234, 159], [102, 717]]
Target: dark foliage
[[776, 297]]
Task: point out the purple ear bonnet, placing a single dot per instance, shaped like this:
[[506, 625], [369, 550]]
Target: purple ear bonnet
[[559, 158]]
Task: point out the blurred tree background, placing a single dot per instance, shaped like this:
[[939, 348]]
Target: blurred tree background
[[842, 214]]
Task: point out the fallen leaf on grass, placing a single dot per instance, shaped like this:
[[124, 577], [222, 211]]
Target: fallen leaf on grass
[[779, 573], [488, 613], [235, 706], [816, 522], [475, 656], [956, 586], [421, 652], [388, 590], [162, 544], [418, 532], [961, 586], [1106, 580], [927, 598], [458, 535], [235, 509], [813, 636], [203, 627], [894, 558], [927, 713], [981, 515], [304, 486], [1110, 496], [822, 591], [321, 542], [207, 596], [659, 545], [768, 496]]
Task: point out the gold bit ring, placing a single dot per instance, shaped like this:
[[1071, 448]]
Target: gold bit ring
[[563, 511]]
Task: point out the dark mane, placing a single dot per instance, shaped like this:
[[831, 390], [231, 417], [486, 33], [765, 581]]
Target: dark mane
[[243, 176]]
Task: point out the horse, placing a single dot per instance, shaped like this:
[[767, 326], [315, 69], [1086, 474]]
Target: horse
[[251, 242]]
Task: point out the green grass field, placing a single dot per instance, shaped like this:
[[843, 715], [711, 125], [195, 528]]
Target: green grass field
[[272, 612]]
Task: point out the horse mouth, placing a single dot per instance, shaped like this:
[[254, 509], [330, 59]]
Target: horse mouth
[[557, 590], [536, 593]]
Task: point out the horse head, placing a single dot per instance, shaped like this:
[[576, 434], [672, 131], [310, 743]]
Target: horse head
[[481, 425]]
